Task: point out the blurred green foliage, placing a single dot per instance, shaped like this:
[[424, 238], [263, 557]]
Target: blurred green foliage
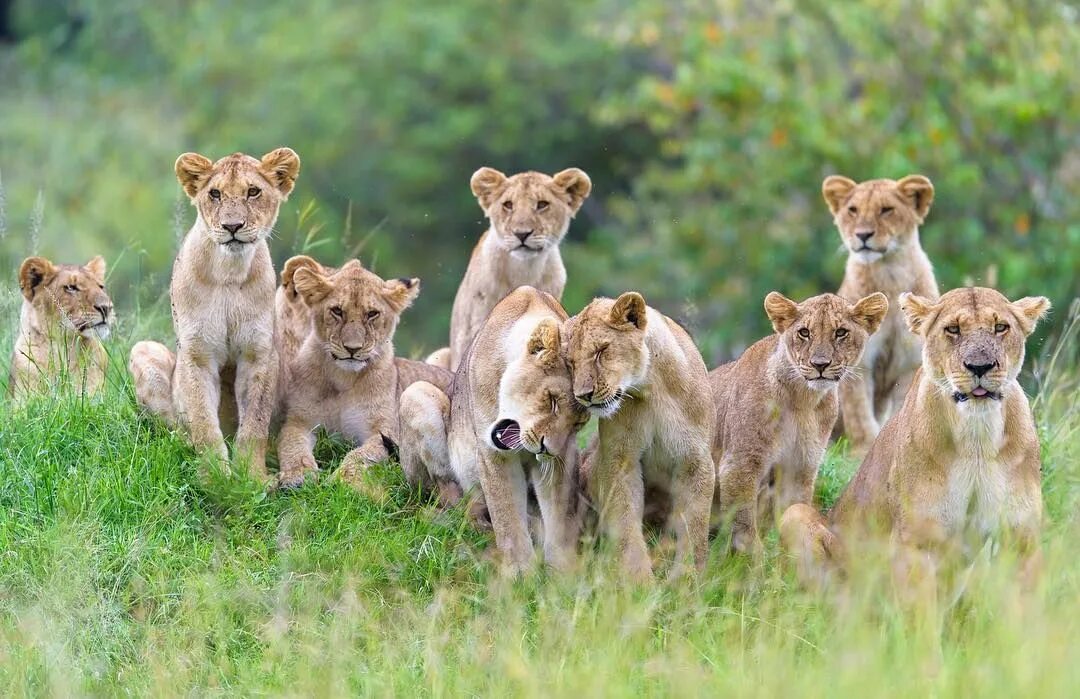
[[706, 127]]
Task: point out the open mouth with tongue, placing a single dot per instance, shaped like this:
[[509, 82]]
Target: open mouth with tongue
[[977, 393], [506, 435]]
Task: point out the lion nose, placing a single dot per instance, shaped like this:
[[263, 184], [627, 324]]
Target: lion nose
[[979, 369], [585, 397], [865, 236], [233, 227], [351, 349], [523, 235], [820, 364], [104, 309]]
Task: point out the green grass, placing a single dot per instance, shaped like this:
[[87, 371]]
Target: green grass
[[120, 573]]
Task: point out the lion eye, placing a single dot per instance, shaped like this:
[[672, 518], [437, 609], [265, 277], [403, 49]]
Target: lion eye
[[215, 194], [852, 210], [372, 315], [541, 205], [952, 329], [554, 405], [841, 333], [1000, 328], [253, 192], [886, 210], [508, 205], [337, 312], [804, 333], [71, 288]]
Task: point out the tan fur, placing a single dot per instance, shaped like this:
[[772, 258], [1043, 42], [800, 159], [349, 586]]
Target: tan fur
[[515, 373], [944, 474], [895, 263], [529, 203], [292, 316], [776, 406], [66, 313], [222, 290], [642, 375], [345, 377]]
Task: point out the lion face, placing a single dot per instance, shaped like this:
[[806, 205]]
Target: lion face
[[354, 312], [607, 353], [238, 197], [973, 340], [824, 336], [72, 295], [878, 216], [537, 410], [530, 211]]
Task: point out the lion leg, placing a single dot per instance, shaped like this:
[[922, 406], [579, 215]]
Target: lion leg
[[296, 456], [439, 358], [256, 397], [616, 486], [506, 494], [738, 480], [806, 537], [554, 494], [196, 393], [857, 410], [424, 452], [691, 505], [152, 366]]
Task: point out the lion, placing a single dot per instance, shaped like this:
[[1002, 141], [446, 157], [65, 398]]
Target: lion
[[958, 463], [66, 313], [291, 314], [508, 424], [879, 223], [345, 377], [530, 213], [776, 406], [642, 375], [225, 369]]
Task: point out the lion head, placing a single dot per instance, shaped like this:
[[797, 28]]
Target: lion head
[[530, 211], [354, 311], [238, 197], [537, 410], [823, 337], [877, 217], [973, 339], [73, 295], [607, 353]]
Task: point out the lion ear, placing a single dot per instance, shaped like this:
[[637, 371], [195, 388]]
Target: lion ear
[[576, 184], [96, 267], [292, 265], [918, 311], [485, 184], [311, 285], [781, 310], [870, 311], [836, 189], [192, 171], [629, 309], [400, 293], [919, 192], [1030, 310], [281, 166], [33, 272], [544, 342]]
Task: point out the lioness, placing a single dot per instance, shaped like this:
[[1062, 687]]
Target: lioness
[[65, 315], [345, 376], [776, 406], [960, 461], [641, 374], [222, 295], [508, 423], [530, 213], [879, 222]]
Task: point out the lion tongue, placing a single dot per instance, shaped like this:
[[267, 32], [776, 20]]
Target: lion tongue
[[979, 392]]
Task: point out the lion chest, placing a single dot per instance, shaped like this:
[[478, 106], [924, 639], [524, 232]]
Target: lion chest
[[976, 492]]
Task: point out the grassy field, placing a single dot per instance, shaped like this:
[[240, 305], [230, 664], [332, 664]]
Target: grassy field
[[122, 573]]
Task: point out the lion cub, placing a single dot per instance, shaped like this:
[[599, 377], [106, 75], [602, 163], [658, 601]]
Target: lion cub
[[530, 213], [641, 374], [879, 222], [225, 368], [345, 376], [291, 313], [508, 424], [66, 314], [777, 403], [960, 461]]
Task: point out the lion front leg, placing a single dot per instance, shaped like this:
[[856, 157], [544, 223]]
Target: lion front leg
[[424, 412], [506, 496], [152, 366], [256, 396], [738, 479], [555, 494], [197, 392], [616, 485], [296, 456], [691, 504], [857, 410]]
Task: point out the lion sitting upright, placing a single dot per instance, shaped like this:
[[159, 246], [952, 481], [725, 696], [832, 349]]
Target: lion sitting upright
[[958, 463], [66, 313], [776, 406], [879, 222], [225, 369], [530, 214], [345, 377]]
